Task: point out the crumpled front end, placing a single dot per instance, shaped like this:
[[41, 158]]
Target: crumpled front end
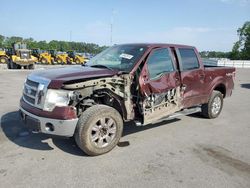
[[56, 120]]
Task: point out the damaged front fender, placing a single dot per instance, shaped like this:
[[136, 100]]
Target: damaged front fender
[[118, 86]]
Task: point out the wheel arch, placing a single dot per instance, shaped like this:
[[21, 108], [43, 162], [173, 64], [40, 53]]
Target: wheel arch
[[221, 88], [116, 104], [4, 57]]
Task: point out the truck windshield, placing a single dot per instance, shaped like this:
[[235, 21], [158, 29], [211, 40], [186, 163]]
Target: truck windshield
[[118, 57]]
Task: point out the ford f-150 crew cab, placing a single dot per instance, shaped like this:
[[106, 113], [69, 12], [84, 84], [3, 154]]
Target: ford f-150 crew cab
[[143, 83]]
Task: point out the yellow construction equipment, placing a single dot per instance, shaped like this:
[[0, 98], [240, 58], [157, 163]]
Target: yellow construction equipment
[[59, 57], [43, 56], [20, 56], [74, 57], [3, 56]]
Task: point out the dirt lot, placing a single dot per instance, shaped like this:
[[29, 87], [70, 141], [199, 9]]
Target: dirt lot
[[185, 152]]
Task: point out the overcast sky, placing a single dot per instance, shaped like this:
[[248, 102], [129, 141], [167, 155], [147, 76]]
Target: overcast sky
[[207, 24]]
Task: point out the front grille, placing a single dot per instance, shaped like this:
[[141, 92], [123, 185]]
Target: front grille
[[32, 83], [30, 91], [34, 91], [29, 99]]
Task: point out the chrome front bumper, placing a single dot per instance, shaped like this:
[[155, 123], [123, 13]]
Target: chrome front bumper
[[47, 125]]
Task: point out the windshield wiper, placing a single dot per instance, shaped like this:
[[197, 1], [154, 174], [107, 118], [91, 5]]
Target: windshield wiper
[[102, 66]]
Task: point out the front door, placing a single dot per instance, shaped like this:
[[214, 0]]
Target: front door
[[160, 86]]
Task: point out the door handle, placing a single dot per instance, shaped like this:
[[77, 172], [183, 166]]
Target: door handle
[[183, 87]]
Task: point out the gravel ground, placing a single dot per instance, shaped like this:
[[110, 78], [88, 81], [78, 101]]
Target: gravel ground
[[186, 152]]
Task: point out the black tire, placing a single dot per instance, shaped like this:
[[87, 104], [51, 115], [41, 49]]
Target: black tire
[[59, 61], [8, 65], [14, 65], [52, 62], [44, 61], [26, 67], [68, 61], [212, 110], [86, 129], [31, 66], [3, 60], [78, 61]]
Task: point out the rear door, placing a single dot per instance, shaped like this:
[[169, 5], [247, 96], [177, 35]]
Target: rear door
[[159, 85], [192, 77]]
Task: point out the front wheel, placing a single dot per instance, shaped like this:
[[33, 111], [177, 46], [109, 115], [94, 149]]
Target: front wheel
[[31, 66], [8, 65], [98, 130], [214, 106], [12, 65]]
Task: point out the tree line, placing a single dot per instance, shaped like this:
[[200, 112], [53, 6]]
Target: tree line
[[240, 49], [6, 42]]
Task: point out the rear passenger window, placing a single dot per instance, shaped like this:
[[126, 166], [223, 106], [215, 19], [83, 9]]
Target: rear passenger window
[[189, 59], [159, 63]]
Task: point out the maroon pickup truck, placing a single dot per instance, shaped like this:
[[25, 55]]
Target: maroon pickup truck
[[143, 83]]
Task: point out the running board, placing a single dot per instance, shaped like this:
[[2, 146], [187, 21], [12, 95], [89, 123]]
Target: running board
[[175, 115]]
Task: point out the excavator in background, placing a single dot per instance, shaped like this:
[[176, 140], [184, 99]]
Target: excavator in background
[[43, 56], [74, 57], [59, 57], [20, 56], [3, 57]]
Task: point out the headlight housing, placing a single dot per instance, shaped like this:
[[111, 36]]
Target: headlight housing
[[57, 98]]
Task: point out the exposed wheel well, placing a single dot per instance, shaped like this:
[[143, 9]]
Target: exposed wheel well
[[115, 102], [106, 98], [221, 88]]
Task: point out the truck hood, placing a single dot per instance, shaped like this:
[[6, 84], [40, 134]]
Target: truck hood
[[59, 76]]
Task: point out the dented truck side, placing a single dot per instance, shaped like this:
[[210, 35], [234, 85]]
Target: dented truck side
[[163, 80]]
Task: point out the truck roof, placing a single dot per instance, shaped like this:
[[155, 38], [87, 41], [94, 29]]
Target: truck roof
[[155, 45]]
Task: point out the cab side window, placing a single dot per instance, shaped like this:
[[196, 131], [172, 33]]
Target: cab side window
[[189, 59], [159, 63]]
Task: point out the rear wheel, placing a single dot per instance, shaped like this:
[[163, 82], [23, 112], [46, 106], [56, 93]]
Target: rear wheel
[[98, 130], [78, 61], [44, 61], [214, 106], [59, 61], [3, 60]]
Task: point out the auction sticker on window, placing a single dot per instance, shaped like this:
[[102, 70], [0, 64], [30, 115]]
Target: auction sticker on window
[[126, 56]]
